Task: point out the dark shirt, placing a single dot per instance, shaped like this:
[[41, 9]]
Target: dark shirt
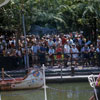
[[42, 49]]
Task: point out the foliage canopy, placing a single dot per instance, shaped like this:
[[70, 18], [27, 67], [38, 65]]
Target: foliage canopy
[[65, 15]]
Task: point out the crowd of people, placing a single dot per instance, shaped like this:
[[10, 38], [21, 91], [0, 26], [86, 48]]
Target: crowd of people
[[67, 46]]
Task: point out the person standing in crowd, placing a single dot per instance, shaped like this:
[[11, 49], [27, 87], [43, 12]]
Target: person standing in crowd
[[1, 48], [59, 52], [98, 55], [75, 53], [35, 48], [57, 42], [19, 57], [80, 42], [66, 53], [85, 51], [92, 55], [98, 41], [67, 49], [50, 42], [51, 55], [41, 54], [63, 40], [24, 55]]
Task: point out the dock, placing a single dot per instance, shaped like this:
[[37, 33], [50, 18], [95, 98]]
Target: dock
[[54, 75], [76, 78]]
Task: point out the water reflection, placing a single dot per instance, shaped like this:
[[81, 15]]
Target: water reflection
[[66, 91]]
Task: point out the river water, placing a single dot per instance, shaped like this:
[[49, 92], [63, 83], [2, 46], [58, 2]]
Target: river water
[[62, 91]]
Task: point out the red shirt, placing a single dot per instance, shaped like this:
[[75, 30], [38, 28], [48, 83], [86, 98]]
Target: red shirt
[[63, 40], [59, 51]]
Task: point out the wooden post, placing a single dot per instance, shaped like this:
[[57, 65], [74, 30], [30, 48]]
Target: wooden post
[[3, 74]]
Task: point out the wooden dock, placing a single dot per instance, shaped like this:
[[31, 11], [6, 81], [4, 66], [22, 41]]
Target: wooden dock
[[54, 75], [76, 78]]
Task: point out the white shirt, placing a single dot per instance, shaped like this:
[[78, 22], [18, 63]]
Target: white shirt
[[66, 48], [75, 50], [98, 50], [18, 52], [51, 51], [50, 43]]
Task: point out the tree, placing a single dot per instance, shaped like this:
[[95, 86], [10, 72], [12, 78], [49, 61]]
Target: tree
[[65, 15]]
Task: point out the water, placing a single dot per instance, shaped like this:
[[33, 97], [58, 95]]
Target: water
[[65, 91]]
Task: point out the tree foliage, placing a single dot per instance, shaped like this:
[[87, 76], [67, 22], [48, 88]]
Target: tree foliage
[[65, 15]]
